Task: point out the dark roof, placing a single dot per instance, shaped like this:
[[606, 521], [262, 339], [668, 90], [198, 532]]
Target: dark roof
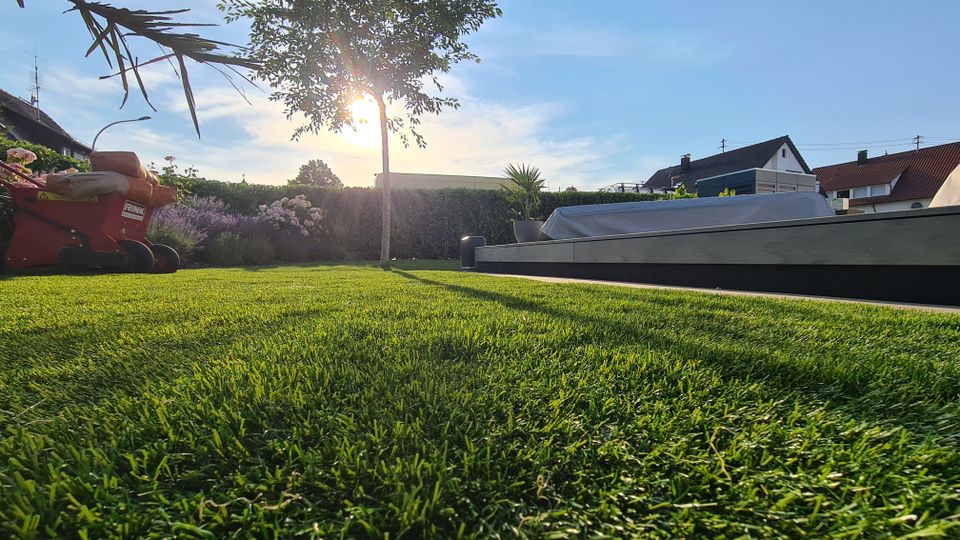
[[922, 172], [15, 105], [754, 156]]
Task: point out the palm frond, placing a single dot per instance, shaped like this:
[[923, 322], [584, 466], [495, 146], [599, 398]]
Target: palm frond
[[111, 26], [523, 191]]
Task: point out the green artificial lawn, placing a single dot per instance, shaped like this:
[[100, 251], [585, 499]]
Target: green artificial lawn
[[347, 401]]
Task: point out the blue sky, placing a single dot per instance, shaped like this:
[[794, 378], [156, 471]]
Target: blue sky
[[591, 92]]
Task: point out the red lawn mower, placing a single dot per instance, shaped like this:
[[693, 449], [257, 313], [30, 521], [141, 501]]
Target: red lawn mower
[[88, 220]]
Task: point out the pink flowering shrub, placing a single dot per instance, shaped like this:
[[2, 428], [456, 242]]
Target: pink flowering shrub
[[294, 227], [20, 155], [18, 159], [297, 216]]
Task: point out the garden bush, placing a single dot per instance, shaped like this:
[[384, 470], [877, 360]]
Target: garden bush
[[234, 249], [184, 241], [187, 226], [48, 160], [257, 249], [224, 250], [294, 227]]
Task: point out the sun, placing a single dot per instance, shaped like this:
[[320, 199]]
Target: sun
[[364, 111], [365, 129]]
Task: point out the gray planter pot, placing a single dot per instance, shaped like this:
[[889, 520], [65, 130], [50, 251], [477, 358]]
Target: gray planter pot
[[527, 230]]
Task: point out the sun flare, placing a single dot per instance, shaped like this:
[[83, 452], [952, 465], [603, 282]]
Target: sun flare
[[365, 128]]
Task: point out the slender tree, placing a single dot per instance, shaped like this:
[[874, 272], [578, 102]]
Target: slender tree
[[321, 56], [316, 173]]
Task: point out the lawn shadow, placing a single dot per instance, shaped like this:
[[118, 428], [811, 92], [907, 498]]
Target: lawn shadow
[[409, 264], [737, 364]]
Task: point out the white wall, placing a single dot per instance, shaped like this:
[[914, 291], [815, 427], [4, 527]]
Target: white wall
[[949, 193], [440, 181], [889, 206], [788, 163]]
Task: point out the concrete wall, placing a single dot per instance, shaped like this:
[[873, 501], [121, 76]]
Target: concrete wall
[[440, 181]]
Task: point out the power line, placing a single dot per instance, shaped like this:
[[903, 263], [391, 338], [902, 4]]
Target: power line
[[859, 142], [880, 147]]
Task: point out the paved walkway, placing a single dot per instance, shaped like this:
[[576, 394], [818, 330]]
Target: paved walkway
[[897, 305]]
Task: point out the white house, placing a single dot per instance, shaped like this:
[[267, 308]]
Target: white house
[[891, 182], [770, 166]]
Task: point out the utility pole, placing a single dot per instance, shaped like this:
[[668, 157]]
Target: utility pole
[[916, 140], [723, 145]]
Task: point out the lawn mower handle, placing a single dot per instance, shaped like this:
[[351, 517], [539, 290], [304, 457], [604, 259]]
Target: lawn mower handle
[[10, 169]]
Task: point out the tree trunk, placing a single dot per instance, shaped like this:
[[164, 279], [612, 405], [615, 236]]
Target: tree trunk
[[384, 186]]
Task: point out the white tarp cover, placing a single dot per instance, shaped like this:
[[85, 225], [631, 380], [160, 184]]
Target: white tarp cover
[[650, 216]]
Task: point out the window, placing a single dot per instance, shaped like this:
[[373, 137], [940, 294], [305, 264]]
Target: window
[[876, 191], [916, 205], [843, 194], [783, 152], [860, 192]]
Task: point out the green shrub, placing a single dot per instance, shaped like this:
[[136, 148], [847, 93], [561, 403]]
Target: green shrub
[[257, 250], [224, 250], [47, 160], [233, 249]]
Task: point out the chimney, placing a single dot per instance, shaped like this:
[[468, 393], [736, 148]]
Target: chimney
[[861, 157], [685, 163]]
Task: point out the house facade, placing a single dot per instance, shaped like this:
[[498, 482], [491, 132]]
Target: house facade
[[768, 167], [21, 121], [440, 181], [891, 182]]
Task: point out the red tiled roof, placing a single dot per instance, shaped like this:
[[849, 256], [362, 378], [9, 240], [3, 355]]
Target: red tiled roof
[[867, 178], [922, 172]]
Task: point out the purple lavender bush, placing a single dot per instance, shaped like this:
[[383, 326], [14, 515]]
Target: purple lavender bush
[[188, 226], [205, 230]]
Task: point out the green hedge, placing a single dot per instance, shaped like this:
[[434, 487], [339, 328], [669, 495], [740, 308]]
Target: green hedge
[[427, 224], [47, 160]]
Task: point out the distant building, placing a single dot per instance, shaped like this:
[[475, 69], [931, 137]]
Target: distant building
[[632, 187], [440, 181], [768, 167], [891, 182], [21, 121]]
